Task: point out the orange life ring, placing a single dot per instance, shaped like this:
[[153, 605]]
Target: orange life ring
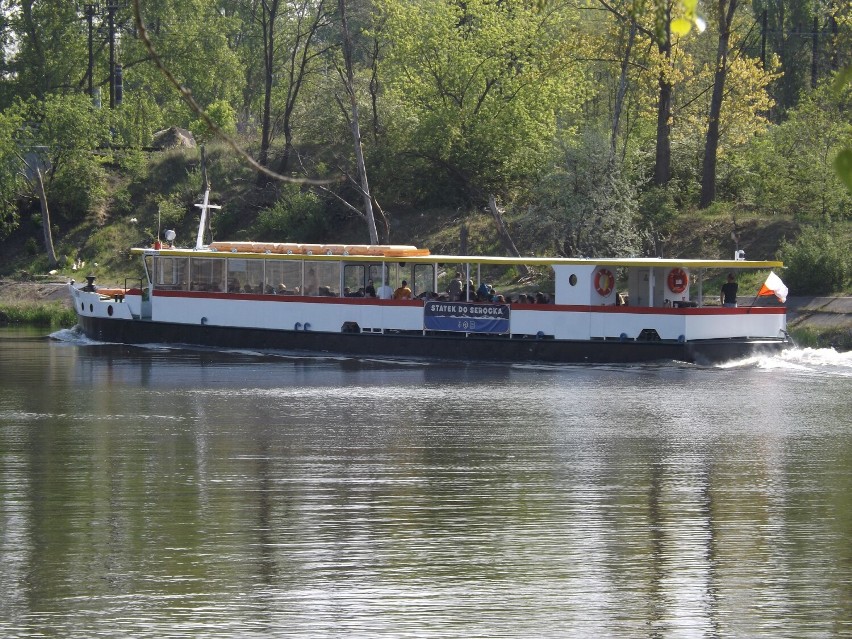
[[604, 282], [678, 280]]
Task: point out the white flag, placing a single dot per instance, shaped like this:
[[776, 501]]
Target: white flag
[[774, 286]]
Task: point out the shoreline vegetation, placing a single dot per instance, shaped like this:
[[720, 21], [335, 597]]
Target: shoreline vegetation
[[47, 305]]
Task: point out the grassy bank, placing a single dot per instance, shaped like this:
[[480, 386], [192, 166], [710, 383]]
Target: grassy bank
[[837, 338], [34, 313]]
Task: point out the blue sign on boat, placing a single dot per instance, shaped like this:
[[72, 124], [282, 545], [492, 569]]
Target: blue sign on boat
[[466, 318]]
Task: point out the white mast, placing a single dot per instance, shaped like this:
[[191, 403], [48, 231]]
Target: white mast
[[199, 241]]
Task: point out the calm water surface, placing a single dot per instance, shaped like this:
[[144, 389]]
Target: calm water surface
[[153, 492]]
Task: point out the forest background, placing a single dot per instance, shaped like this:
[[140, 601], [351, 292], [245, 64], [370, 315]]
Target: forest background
[[573, 128]]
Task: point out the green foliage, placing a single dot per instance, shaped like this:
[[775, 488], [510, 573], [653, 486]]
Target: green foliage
[[299, 216], [588, 206], [170, 212], [223, 116], [38, 314], [133, 163], [57, 134], [479, 87], [78, 189], [789, 170], [10, 172], [818, 262], [137, 119], [808, 337], [657, 216]]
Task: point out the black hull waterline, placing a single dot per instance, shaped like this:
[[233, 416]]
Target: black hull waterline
[[440, 346]]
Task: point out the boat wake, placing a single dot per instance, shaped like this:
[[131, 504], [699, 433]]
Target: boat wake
[[808, 360], [73, 335]]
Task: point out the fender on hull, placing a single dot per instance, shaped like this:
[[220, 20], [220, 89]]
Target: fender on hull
[[433, 346]]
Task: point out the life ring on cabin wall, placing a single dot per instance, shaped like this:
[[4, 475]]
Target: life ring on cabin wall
[[678, 280], [604, 282]]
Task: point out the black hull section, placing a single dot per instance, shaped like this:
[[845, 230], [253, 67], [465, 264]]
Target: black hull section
[[444, 346]]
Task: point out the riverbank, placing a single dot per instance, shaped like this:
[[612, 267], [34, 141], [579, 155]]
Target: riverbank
[[821, 321], [37, 303], [813, 321]]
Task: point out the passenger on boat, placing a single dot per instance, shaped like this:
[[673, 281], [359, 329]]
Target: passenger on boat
[[370, 291], [385, 292], [311, 283], [454, 291], [483, 293], [469, 291], [728, 296], [403, 292], [282, 289]]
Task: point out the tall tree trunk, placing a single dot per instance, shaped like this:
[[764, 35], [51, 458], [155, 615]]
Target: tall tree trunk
[[45, 219], [815, 53], [711, 146], [622, 86], [356, 129], [663, 155], [302, 51], [269, 13]]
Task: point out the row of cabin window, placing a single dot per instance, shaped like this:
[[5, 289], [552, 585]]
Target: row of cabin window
[[283, 277]]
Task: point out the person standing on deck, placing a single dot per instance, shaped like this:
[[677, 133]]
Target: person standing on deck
[[728, 296], [455, 289]]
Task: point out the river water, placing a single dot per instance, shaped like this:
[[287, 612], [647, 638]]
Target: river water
[[159, 492]]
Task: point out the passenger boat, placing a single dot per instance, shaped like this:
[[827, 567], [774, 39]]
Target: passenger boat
[[317, 298]]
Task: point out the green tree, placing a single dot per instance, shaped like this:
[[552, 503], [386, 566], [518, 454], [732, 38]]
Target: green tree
[[51, 52], [586, 207], [57, 134], [789, 169], [818, 261], [477, 88], [192, 39]]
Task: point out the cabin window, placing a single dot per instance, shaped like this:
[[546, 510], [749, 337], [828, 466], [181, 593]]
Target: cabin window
[[170, 273], [283, 277], [208, 274], [375, 274], [322, 278], [245, 276], [354, 279], [424, 279]]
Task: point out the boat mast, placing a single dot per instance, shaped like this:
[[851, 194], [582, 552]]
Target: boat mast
[[199, 240]]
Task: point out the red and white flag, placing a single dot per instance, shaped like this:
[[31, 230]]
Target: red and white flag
[[774, 286]]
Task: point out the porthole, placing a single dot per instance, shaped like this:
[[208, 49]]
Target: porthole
[[109, 310], [572, 280], [91, 308], [82, 306]]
